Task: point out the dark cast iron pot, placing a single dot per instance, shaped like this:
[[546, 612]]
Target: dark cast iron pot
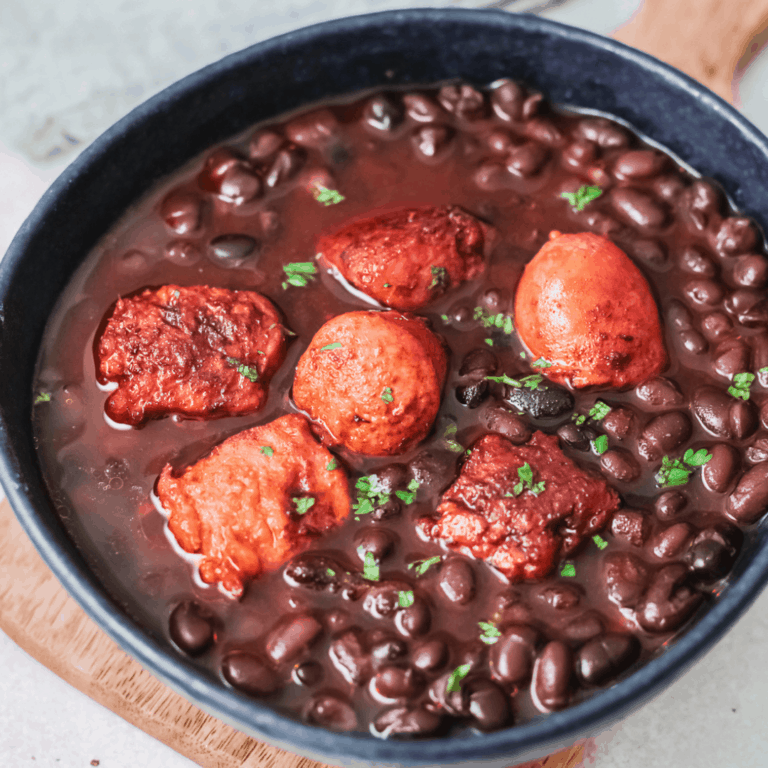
[[394, 48]]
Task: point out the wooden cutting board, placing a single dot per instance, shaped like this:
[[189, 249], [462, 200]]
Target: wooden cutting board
[[710, 40]]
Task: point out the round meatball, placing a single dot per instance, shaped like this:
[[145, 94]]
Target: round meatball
[[584, 307], [372, 381], [406, 258], [254, 501]]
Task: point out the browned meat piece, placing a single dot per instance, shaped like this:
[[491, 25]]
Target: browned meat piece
[[372, 381], [256, 499], [521, 507], [407, 258], [199, 352]]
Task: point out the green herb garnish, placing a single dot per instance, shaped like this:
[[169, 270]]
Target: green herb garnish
[[491, 633], [43, 397], [370, 567], [458, 674], [741, 384], [500, 321], [267, 450], [675, 472], [331, 465], [405, 598], [422, 566], [525, 482], [299, 273], [303, 504], [330, 571], [599, 410], [369, 495], [569, 571], [248, 371], [600, 444], [327, 196], [489, 342], [450, 443], [578, 419], [600, 541], [334, 345], [408, 495], [439, 277], [582, 197], [387, 395], [541, 363]]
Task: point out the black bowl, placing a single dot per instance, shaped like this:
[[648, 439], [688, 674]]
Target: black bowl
[[395, 48]]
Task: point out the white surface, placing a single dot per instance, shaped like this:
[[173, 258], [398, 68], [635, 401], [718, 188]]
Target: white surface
[[71, 68]]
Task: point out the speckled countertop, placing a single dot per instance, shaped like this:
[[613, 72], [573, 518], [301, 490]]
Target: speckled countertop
[[68, 69]]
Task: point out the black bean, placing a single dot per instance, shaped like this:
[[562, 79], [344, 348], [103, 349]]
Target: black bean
[[703, 292], [668, 543], [638, 208], [182, 252], [292, 636], [472, 395], [543, 130], [308, 673], [349, 657], [488, 705], [192, 627], [716, 326], [532, 105], [702, 202], [625, 577], [544, 402], [736, 235], [387, 649], [602, 132], [391, 478], [602, 224], [743, 418], [560, 597], [397, 683], [462, 100], [285, 166], [579, 154], [632, 526], [652, 252], [421, 108], [511, 657], [507, 100], [527, 159], [430, 655], [760, 357], [239, 184], [749, 500], [551, 683], [584, 627], [662, 434], [499, 141], [510, 425], [620, 464], [264, 145], [313, 129], [415, 620], [742, 301], [338, 620], [577, 437], [182, 211], [693, 342], [619, 422], [670, 504], [432, 469], [712, 552], [711, 406], [430, 140], [383, 599], [669, 187], [751, 271], [312, 571], [694, 260], [457, 580], [231, 250], [407, 721], [331, 711], [679, 315], [639, 164], [758, 451], [669, 601], [374, 539], [605, 657], [388, 510], [479, 363], [720, 471], [455, 702], [383, 114], [249, 673]]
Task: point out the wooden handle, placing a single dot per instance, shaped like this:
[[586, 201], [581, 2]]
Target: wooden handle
[[706, 39]]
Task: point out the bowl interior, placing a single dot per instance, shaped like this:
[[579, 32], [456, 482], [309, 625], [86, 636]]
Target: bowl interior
[[570, 67]]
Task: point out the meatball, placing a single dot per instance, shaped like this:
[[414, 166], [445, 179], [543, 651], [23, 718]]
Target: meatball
[[521, 507], [584, 307], [198, 352], [407, 258], [254, 501], [372, 381]]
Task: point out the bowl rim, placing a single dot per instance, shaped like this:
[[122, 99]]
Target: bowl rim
[[250, 715]]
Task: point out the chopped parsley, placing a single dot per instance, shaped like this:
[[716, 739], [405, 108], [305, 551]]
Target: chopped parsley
[[675, 472], [370, 567], [489, 342], [248, 371], [327, 196], [267, 450], [525, 482], [532, 381], [405, 598], [408, 495], [422, 566], [330, 572], [439, 277], [445, 319], [582, 197], [578, 419], [43, 397], [600, 444], [501, 321], [332, 464], [599, 410], [541, 363], [334, 345], [450, 442], [369, 495], [387, 285], [568, 570], [387, 395], [458, 674], [299, 273], [600, 542], [303, 504], [491, 633], [741, 384]]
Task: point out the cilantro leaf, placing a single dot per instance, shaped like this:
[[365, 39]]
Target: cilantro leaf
[[578, 419], [334, 345], [303, 504], [43, 397], [491, 633], [600, 444], [741, 384], [327, 196], [568, 570], [267, 450], [458, 674], [504, 379], [500, 320], [582, 197], [422, 566], [387, 395], [439, 277], [541, 363], [673, 472], [525, 478], [697, 459], [405, 598], [332, 464], [370, 567], [600, 541], [369, 495], [299, 273], [599, 410], [247, 371], [408, 495], [330, 571], [489, 342]]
